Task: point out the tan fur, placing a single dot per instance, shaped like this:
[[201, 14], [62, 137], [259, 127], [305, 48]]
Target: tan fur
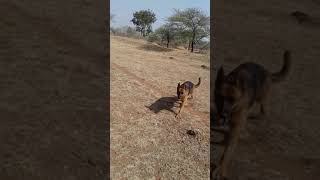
[[235, 94], [184, 92]]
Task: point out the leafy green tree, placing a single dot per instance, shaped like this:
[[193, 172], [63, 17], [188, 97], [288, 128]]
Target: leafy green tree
[[167, 33], [193, 24], [143, 21]]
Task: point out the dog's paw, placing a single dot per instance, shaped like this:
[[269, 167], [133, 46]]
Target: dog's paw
[[178, 116], [216, 174]]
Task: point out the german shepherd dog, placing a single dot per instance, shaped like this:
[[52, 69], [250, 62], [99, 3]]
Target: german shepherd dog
[[185, 91], [235, 94]]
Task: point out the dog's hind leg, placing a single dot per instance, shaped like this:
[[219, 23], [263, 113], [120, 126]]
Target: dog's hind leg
[[262, 108], [262, 100], [262, 111], [191, 94]]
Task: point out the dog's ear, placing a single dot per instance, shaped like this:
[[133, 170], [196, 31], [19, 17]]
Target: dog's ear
[[178, 86], [178, 94], [220, 76]]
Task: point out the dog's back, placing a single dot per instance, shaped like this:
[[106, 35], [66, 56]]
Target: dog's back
[[188, 85], [253, 79]]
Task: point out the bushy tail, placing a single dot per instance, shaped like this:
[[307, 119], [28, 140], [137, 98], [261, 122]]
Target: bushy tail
[[283, 73], [198, 84]]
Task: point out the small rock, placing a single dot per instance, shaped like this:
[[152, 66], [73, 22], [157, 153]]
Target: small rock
[[300, 16], [191, 132], [205, 67]]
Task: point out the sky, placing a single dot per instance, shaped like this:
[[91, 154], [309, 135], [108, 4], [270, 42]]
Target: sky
[[124, 9]]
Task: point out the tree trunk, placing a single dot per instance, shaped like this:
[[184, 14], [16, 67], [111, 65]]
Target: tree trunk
[[168, 41], [143, 31], [192, 42]]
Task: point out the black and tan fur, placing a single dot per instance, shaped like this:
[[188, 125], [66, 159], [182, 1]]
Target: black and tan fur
[[235, 95], [185, 91]]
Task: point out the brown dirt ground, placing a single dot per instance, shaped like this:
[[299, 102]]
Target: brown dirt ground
[[148, 144], [52, 95], [285, 144]]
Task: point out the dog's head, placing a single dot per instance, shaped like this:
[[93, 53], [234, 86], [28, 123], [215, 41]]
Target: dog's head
[[181, 91], [229, 90]]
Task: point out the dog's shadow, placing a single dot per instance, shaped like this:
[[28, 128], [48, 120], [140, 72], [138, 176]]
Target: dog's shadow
[[164, 103]]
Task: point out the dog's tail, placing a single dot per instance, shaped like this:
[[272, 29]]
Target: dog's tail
[[198, 84], [283, 73]]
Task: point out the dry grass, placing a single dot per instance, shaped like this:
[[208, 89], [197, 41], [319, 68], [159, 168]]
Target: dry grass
[[52, 101], [285, 144], [146, 139]]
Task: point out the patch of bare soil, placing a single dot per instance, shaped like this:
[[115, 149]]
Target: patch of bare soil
[[147, 141], [52, 105], [285, 144]]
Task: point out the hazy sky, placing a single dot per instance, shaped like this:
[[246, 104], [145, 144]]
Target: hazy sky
[[124, 9]]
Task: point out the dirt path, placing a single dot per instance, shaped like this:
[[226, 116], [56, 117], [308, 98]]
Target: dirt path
[[151, 143]]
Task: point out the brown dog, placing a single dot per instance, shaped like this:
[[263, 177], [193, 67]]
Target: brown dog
[[185, 91], [236, 93]]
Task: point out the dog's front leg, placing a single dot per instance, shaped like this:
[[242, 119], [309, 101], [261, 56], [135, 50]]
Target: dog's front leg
[[231, 142], [183, 103], [237, 121]]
